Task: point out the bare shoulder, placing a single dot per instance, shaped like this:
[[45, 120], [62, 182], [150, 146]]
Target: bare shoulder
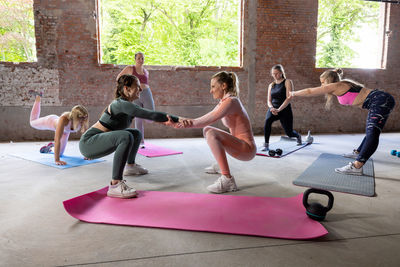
[[64, 118], [288, 81], [233, 100]]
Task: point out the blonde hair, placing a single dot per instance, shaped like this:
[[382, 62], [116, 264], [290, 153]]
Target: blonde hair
[[334, 76], [76, 114], [230, 79]]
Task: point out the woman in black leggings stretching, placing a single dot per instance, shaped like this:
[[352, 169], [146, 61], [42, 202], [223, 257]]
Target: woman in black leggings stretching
[[111, 133], [351, 93], [279, 106]]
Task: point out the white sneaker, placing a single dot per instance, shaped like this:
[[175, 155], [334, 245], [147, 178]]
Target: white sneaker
[[265, 147], [222, 185], [350, 169], [121, 190], [213, 169], [136, 169], [352, 155]]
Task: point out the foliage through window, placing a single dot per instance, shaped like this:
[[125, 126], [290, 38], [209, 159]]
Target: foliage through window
[[350, 34], [17, 31], [179, 32]]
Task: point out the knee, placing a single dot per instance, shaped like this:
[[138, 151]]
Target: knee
[[208, 130], [126, 138]]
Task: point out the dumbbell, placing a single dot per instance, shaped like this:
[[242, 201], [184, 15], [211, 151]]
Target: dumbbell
[[277, 151], [393, 152]]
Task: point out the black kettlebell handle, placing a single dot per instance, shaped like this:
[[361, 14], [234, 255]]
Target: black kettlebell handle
[[318, 191]]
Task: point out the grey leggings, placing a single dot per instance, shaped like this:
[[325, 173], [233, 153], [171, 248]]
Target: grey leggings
[[95, 143], [145, 100]]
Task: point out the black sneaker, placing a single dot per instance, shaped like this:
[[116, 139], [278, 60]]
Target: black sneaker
[[299, 142]]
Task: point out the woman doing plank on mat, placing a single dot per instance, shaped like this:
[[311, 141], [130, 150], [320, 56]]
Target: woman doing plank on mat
[[111, 133], [279, 107], [351, 93], [145, 99], [238, 142], [69, 122]]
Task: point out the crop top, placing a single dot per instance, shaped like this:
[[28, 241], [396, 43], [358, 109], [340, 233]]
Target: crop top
[[348, 97], [143, 78], [123, 112]]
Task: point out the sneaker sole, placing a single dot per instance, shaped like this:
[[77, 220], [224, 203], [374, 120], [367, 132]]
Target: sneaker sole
[[230, 190], [119, 196], [348, 173], [134, 174]]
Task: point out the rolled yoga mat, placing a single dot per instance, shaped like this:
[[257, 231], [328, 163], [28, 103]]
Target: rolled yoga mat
[[242, 215], [321, 175], [151, 150]]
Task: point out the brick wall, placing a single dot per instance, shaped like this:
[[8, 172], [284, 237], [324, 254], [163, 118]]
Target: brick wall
[[273, 32]]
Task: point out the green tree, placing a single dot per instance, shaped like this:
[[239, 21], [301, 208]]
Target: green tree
[[17, 32], [338, 21], [184, 32]]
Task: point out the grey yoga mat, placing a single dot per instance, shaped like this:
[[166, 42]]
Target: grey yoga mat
[[321, 175]]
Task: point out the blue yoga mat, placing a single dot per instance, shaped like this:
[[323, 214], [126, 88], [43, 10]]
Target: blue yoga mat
[[48, 159]]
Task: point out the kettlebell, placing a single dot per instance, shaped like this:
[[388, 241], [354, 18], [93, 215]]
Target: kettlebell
[[278, 151], [315, 210]]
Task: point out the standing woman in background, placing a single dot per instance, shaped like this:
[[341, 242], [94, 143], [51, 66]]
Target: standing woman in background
[[279, 107], [145, 99]]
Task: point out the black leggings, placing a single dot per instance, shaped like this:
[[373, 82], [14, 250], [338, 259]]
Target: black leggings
[[379, 105], [286, 119], [96, 144]]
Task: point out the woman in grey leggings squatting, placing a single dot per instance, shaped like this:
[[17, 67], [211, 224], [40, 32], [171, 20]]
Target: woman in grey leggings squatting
[[111, 134], [145, 99]]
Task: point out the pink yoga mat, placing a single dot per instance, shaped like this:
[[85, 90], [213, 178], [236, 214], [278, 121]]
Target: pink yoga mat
[[243, 215], [156, 151]]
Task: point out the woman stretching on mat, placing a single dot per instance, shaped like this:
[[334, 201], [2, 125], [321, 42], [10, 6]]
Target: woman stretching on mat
[[69, 122], [351, 93], [238, 142], [279, 107], [145, 99], [111, 133]]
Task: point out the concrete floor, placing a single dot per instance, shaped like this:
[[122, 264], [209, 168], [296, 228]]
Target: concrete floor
[[36, 231]]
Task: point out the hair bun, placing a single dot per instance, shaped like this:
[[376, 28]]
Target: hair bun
[[339, 71]]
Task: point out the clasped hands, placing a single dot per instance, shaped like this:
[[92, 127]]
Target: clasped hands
[[182, 122], [274, 111]]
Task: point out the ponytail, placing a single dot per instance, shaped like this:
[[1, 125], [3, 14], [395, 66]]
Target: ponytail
[[230, 79]]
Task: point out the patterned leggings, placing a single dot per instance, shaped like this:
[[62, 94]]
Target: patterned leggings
[[379, 105]]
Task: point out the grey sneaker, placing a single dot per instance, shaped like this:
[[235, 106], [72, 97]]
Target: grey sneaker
[[222, 185], [350, 169], [121, 190], [213, 169], [299, 142], [35, 93], [136, 169], [352, 155], [265, 147]]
